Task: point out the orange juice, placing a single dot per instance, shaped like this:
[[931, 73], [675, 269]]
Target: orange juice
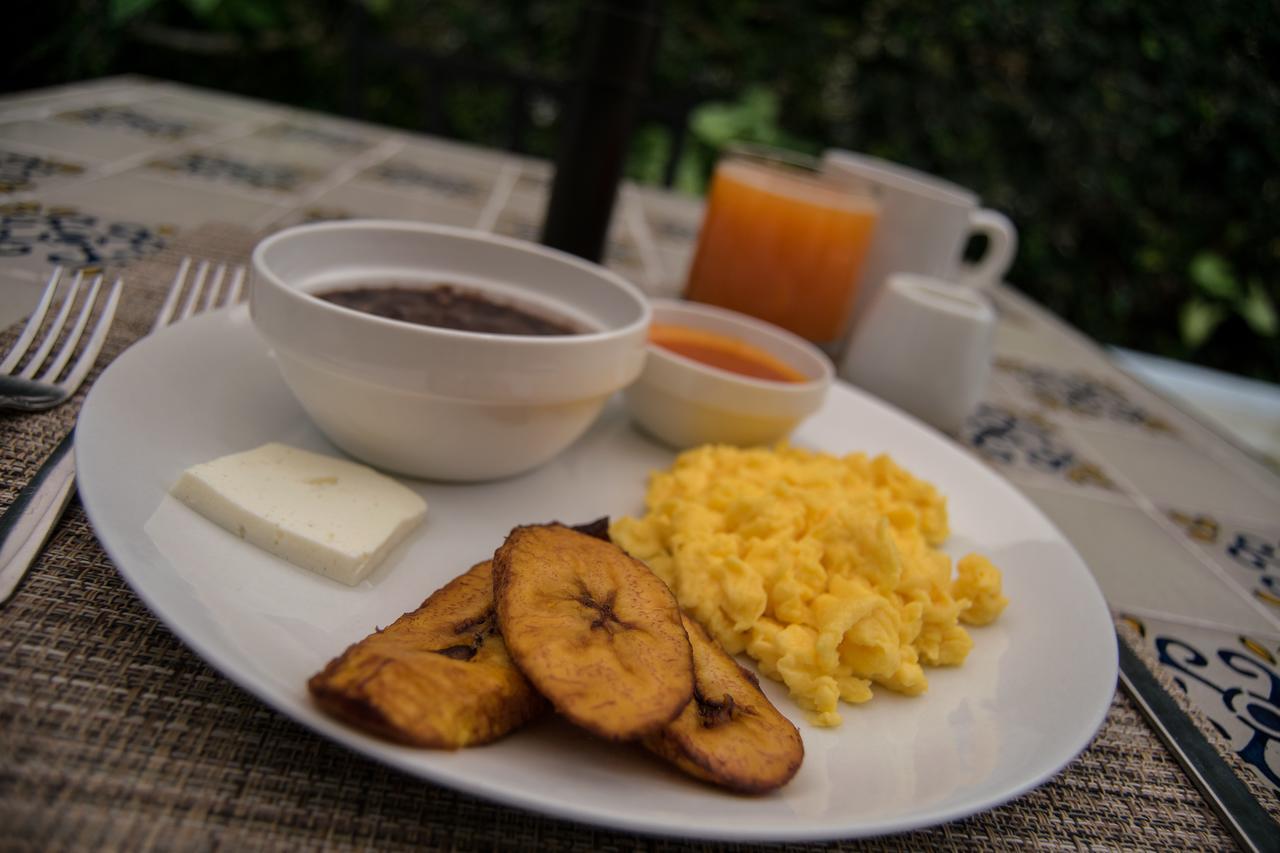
[[780, 244]]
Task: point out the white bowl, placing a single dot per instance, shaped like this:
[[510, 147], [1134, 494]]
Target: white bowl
[[433, 402], [686, 403]]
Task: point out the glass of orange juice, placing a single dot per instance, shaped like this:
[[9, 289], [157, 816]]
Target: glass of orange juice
[[781, 243]]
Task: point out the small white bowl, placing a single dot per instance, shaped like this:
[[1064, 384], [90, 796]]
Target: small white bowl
[[433, 402], [685, 403]]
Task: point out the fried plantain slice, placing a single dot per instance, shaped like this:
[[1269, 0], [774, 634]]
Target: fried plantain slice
[[438, 677], [595, 630], [730, 734]]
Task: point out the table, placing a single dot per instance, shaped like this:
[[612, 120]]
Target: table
[[114, 734]]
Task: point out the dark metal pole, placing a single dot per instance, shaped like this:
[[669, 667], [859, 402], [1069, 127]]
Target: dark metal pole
[[593, 146]]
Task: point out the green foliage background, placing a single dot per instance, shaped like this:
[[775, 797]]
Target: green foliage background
[[1135, 144]]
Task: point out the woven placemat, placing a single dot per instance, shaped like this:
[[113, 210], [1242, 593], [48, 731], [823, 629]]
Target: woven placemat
[[114, 735]]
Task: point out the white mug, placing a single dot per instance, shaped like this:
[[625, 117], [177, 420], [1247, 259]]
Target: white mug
[[924, 345], [924, 225]]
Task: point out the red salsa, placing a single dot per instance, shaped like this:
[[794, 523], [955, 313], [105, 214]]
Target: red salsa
[[722, 351]]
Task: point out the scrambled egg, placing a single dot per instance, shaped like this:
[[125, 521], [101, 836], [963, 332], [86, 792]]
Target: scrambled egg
[[824, 569]]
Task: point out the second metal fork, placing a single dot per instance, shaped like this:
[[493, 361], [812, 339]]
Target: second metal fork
[[204, 293]]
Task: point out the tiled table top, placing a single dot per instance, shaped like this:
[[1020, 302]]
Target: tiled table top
[[106, 171], [1180, 527]]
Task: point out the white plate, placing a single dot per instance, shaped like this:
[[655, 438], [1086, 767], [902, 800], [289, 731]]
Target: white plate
[[1034, 690]]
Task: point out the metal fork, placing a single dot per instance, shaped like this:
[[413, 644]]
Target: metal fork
[[35, 389], [197, 297], [28, 522]]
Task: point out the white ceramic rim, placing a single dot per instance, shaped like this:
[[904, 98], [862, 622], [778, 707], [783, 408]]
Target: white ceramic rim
[[941, 296]]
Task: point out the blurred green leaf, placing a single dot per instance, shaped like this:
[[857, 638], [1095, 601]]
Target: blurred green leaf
[[202, 8], [1259, 311], [379, 8], [650, 147], [760, 106], [1149, 259], [254, 14], [1212, 275], [1198, 320], [751, 118], [1151, 47], [692, 172], [122, 11], [717, 124]]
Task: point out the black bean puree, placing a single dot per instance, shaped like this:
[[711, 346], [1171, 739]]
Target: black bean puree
[[448, 307]]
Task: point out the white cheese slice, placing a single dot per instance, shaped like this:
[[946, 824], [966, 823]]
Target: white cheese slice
[[331, 516]]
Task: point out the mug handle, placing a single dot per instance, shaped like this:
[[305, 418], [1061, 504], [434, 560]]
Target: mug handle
[[1002, 243]]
